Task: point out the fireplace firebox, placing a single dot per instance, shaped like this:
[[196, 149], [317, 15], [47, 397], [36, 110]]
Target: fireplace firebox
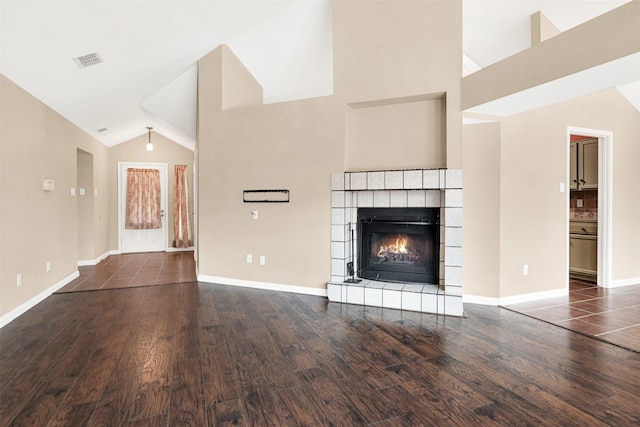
[[399, 244]]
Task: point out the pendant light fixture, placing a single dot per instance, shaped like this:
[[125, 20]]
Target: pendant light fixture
[[149, 144]]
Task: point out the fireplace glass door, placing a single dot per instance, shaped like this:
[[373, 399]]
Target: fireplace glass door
[[399, 244]]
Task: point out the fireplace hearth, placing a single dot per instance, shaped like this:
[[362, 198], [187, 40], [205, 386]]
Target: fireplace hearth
[[396, 239], [399, 244]]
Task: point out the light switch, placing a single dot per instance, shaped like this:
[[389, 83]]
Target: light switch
[[82, 191], [73, 191], [254, 214], [48, 184]]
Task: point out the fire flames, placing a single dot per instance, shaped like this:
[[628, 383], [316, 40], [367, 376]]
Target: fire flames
[[398, 251], [399, 247]]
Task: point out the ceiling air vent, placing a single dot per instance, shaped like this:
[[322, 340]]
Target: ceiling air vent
[[88, 59]]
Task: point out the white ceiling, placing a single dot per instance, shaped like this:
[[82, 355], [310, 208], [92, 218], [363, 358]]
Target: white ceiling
[[150, 50]]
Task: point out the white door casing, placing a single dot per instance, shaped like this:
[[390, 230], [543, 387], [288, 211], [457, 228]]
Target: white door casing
[[151, 240], [605, 201]]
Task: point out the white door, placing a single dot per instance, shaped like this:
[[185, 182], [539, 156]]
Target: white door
[[149, 240]]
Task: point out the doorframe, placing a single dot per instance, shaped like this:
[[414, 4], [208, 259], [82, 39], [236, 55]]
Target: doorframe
[[165, 199], [605, 200]]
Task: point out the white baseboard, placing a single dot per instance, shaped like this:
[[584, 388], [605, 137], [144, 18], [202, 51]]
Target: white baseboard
[[477, 299], [83, 263], [22, 308], [263, 285], [534, 296], [515, 299], [624, 282], [172, 249]]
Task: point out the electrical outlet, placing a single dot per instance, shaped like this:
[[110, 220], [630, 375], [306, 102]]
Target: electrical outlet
[[525, 269], [262, 260], [48, 266], [19, 279], [249, 259], [579, 203]]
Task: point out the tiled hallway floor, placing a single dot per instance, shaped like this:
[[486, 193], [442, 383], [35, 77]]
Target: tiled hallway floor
[[612, 315], [135, 270]]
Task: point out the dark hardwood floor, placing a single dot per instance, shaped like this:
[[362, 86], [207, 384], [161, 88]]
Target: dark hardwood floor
[[201, 354]]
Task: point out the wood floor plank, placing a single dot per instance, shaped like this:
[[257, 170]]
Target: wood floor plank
[[336, 405], [206, 354], [115, 404], [227, 413], [261, 408], [220, 381], [187, 405], [44, 404], [298, 408], [152, 400], [73, 415]]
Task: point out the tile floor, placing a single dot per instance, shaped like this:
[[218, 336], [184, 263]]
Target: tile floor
[[135, 270], [611, 315]]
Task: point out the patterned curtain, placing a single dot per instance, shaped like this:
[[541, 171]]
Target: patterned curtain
[[181, 228], [143, 199]]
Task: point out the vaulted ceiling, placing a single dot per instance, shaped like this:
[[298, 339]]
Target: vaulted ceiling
[[150, 50]]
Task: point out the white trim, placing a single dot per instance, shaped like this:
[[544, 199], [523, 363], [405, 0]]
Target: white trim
[[625, 282], [24, 307], [534, 296], [478, 299], [321, 292], [83, 263], [605, 200], [515, 299], [172, 249]]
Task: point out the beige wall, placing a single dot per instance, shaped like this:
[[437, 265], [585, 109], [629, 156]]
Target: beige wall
[[382, 50], [38, 226], [408, 133], [134, 150], [258, 148], [532, 210], [481, 272], [392, 49]]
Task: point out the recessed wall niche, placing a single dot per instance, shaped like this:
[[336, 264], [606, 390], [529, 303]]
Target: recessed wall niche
[[397, 133]]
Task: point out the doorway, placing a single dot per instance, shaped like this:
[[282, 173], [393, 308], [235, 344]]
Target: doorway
[[589, 173], [85, 193], [141, 239]]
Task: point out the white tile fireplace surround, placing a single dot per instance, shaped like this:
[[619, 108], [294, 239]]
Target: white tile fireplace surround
[[416, 188]]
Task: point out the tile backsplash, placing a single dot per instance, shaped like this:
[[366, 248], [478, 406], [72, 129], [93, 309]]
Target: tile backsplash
[[583, 204]]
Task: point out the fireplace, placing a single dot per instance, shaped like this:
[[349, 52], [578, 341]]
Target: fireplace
[[396, 239], [399, 244]]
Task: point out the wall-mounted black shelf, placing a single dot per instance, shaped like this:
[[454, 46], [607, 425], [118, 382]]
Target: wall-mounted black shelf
[[265, 196]]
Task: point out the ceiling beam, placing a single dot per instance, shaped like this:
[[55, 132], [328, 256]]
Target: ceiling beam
[[607, 38]]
